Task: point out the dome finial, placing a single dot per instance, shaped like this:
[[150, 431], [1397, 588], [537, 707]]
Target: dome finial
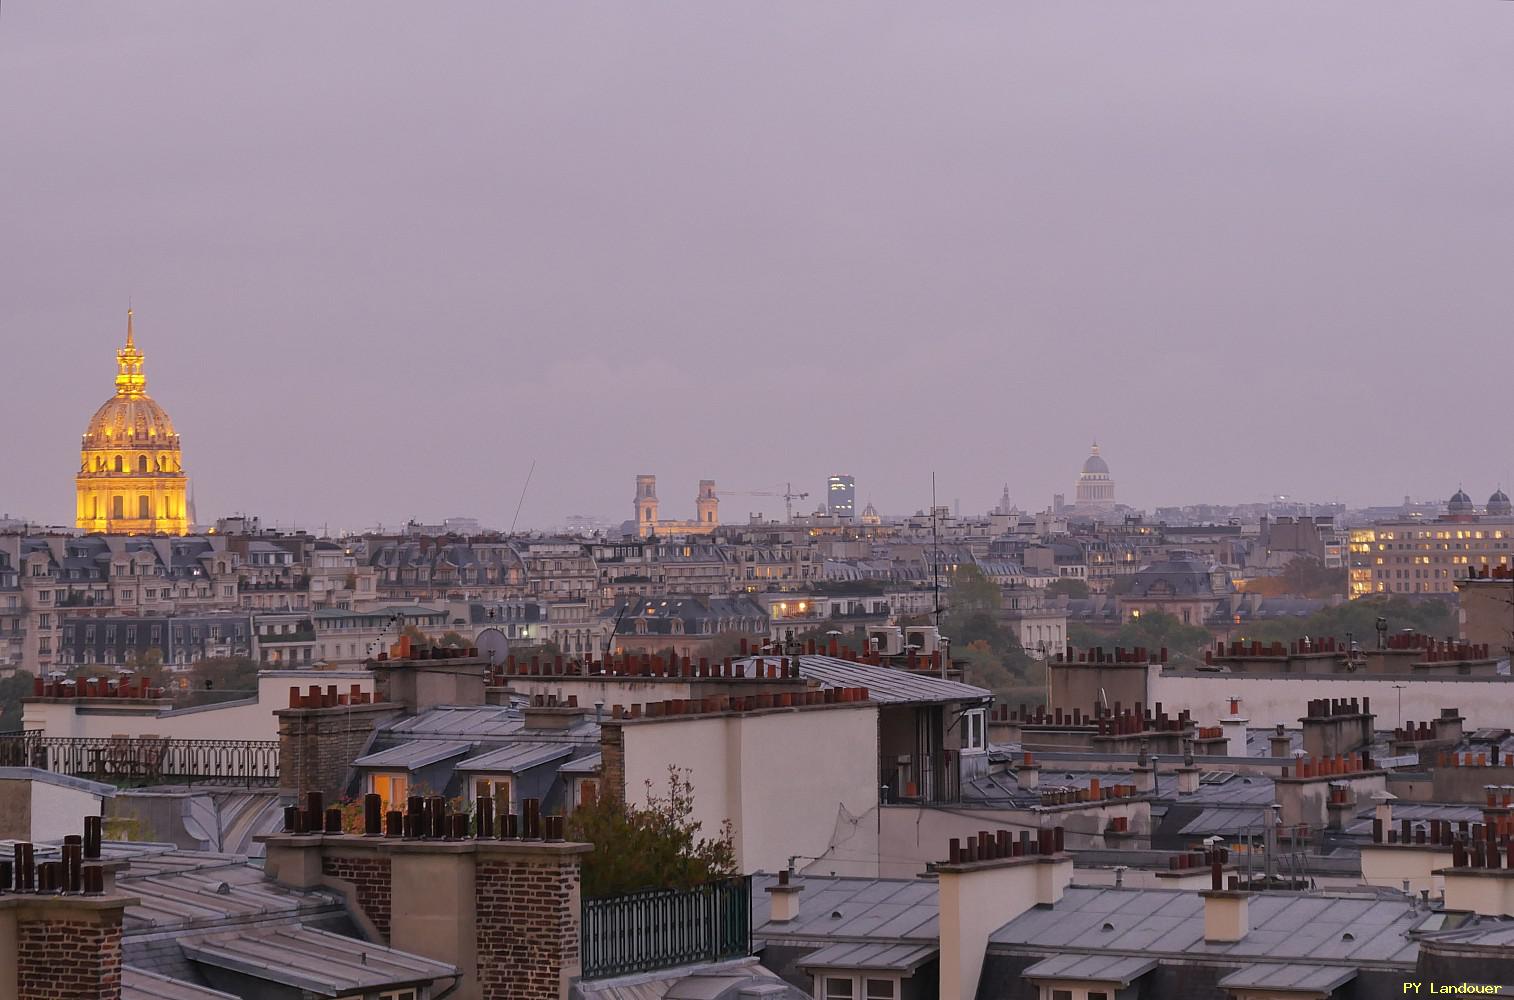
[[129, 378]]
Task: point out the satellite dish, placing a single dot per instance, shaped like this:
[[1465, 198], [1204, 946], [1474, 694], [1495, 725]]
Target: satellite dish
[[492, 645]]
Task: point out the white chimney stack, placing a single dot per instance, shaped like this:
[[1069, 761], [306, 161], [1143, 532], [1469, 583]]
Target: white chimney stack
[[784, 899]]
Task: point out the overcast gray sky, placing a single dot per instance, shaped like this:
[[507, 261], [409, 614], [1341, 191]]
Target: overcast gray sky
[[383, 255]]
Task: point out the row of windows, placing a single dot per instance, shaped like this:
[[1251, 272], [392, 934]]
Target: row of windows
[[167, 508]]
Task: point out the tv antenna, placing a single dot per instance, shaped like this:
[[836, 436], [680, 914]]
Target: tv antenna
[[522, 499]]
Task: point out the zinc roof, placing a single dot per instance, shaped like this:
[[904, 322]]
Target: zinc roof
[[414, 754], [1284, 926], [475, 722], [888, 685], [322, 963], [838, 907], [139, 984], [879, 955], [1288, 977], [517, 757], [1122, 969]]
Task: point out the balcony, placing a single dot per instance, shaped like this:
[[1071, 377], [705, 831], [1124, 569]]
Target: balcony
[[129, 761], [922, 779]]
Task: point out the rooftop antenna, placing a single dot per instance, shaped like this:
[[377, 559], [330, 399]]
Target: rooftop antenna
[[522, 499], [935, 559]]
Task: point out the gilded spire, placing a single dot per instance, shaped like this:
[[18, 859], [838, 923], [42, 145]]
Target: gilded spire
[[129, 378]]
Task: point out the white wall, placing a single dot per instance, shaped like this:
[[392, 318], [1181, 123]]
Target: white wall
[[1270, 700], [58, 811], [912, 836], [236, 721], [786, 779]]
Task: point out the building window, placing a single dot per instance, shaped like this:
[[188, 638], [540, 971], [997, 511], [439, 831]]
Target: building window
[[880, 989], [972, 730], [391, 788], [142, 464], [497, 789], [118, 505], [399, 995], [837, 988], [119, 466]]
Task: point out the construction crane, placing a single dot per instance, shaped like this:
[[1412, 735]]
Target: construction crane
[[788, 494]]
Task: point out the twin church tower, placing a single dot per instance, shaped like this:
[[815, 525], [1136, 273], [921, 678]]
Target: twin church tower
[[131, 470]]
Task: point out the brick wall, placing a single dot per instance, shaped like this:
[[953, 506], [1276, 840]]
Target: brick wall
[[317, 745], [72, 958], [612, 766], [528, 926], [370, 878]]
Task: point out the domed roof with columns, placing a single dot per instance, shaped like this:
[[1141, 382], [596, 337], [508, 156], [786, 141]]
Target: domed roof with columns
[[131, 474], [1094, 465]]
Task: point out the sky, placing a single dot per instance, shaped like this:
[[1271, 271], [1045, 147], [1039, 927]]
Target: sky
[[383, 256]]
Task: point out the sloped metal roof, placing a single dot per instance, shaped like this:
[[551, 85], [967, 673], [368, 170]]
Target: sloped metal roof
[[139, 984], [414, 754], [475, 722], [1288, 976], [839, 907], [1122, 969], [1285, 927], [879, 955], [517, 757], [322, 963], [888, 685], [587, 764]]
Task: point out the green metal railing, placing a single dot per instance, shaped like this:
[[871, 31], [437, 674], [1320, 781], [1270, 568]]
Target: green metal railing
[[666, 928]]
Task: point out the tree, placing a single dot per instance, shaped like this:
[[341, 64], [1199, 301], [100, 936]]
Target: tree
[[456, 641], [1069, 585], [12, 690], [1153, 630], [222, 678], [656, 846]]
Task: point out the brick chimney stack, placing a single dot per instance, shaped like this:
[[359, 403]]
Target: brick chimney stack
[[416, 880], [60, 924]]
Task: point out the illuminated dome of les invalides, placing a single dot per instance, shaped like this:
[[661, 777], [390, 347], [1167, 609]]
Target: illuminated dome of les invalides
[[131, 474]]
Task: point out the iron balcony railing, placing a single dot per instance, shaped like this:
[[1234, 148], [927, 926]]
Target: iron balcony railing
[[145, 760], [666, 928]]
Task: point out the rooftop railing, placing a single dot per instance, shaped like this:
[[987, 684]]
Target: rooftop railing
[[145, 760], [666, 928]]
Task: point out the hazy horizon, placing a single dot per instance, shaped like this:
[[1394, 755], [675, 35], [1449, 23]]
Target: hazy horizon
[[383, 257]]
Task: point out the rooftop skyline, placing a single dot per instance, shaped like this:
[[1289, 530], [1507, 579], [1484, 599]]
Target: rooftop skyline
[[381, 264]]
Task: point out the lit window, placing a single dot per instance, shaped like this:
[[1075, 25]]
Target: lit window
[[391, 788]]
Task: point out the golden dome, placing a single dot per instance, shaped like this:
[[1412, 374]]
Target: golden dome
[[131, 475], [135, 420], [131, 416]]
